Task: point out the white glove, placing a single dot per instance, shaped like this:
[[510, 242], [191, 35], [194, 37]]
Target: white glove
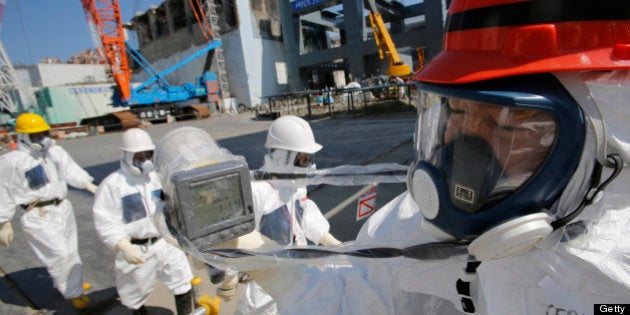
[[329, 240], [89, 186], [6, 233], [132, 253], [227, 290]]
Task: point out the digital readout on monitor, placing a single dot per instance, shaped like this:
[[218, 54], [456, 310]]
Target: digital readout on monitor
[[216, 200]]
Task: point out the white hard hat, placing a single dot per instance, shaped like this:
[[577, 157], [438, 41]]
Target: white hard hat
[[136, 140], [292, 133]]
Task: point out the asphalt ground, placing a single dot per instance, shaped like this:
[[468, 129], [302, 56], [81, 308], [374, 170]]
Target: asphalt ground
[[26, 286]]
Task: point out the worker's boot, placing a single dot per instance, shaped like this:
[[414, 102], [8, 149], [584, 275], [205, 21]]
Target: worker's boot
[[216, 275], [184, 303]]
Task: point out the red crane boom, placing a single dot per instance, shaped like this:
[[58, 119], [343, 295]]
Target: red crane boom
[[105, 15]]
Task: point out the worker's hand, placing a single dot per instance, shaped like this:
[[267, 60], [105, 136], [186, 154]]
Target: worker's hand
[[132, 253], [329, 240], [6, 233], [89, 186], [227, 290]]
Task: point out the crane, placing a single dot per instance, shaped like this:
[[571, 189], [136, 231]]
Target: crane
[[104, 17], [384, 43], [9, 84]]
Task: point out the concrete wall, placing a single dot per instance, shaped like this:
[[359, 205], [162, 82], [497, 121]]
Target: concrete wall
[[250, 58], [187, 73], [171, 44], [27, 91], [260, 56], [62, 74]]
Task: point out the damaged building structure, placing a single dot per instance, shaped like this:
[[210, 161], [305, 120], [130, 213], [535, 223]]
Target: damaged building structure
[[271, 47]]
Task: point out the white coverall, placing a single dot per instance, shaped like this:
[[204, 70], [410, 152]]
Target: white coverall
[[556, 277], [122, 209], [285, 215], [51, 231]]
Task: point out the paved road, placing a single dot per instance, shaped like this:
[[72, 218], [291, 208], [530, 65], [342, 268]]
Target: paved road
[[26, 287]]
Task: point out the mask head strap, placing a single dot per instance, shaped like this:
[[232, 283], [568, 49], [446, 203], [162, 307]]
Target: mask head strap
[[595, 192]]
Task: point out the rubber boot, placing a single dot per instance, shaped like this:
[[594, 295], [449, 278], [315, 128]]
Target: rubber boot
[[216, 275], [184, 303]]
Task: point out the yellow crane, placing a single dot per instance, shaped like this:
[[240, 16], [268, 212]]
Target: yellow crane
[[386, 46]]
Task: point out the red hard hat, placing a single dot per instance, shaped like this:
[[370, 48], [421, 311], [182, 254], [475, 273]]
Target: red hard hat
[[487, 39]]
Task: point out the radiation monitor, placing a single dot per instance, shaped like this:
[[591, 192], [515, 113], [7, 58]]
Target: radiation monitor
[[214, 202]]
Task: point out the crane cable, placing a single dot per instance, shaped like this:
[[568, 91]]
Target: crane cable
[[205, 28]]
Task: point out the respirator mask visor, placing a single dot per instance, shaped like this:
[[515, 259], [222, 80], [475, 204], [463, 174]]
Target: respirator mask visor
[[493, 152], [484, 151]]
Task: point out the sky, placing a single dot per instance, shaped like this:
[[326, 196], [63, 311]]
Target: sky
[[32, 29]]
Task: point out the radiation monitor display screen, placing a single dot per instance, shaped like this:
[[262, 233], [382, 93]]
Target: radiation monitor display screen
[[214, 202]]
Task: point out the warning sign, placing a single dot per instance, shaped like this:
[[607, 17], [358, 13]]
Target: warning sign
[[367, 203]]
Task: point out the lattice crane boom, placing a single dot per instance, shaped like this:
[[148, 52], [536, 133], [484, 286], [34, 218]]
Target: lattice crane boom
[[9, 83], [107, 20]]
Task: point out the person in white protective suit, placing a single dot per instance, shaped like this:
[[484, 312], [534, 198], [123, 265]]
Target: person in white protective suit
[[512, 159], [35, 180], [124, 203], [516, 202], [283, 212]]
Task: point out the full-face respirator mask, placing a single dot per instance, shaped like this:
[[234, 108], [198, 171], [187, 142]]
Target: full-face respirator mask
[[492, 160]]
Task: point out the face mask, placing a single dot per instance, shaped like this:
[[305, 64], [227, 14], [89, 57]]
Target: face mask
[[492, 160], [43, 145], [143, 167]]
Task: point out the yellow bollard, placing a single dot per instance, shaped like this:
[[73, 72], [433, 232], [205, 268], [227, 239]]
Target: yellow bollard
[[211, 304]]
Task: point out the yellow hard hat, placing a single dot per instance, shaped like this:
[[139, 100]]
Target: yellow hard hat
[[31, 123]]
